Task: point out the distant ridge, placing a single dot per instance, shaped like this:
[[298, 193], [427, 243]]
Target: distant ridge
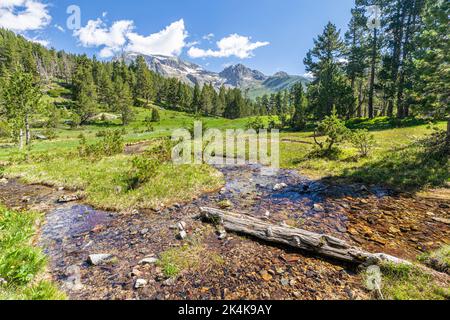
[[253, 82]]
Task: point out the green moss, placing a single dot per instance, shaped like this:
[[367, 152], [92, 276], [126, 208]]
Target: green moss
[[407, 282], [439, 259]]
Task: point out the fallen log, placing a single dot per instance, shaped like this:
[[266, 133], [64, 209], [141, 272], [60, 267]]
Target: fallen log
[[320, 244]]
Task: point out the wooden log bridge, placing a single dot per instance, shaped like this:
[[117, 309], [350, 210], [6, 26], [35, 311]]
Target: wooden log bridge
[[324, 245]]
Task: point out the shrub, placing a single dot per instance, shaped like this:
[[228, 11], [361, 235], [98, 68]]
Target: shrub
[[142, 171], [256, 124], [5, 130], [111, 144], [363, 141], [50, 133], [54, 117], [148, 122], [155, 115], [437, 146], [145, 167], [334, 130], [74, 121], [273, 124]]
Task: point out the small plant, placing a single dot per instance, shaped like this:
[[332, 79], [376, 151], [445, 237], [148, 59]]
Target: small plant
[[5, 130], [155, 115], [111, 144], [437, 146], [273, 124], [256, 124], [438, 260], [149, 124], [20, 262], [363, 141], [142, 170], [74, 121], [50, 133], [334, 130]]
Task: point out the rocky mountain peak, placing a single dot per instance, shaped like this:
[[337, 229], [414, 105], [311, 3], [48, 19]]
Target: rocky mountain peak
[[237, 76], [240, 76], [281, 74]]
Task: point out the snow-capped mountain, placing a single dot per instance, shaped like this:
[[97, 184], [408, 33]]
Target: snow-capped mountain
[[254, 82], [173, 67]]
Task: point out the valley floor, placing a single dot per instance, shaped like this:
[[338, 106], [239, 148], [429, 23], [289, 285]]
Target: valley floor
[[340, 197]]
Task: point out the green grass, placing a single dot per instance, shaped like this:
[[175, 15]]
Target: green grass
[[22, 264], [405, 282], [191, 256], [394, 152], [438, 260], [105, 186]]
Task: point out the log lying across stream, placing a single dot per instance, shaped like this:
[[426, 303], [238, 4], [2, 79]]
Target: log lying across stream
[[320, 244]]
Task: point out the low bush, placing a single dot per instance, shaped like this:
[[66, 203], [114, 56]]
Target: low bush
[[256, 124], [363, 141], [142, 171], [334, 131], [111, 143]]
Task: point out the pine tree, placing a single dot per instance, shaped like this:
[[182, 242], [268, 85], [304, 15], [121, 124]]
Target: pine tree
[[207, 99], [105, 88], [432, 60], [144, 88], [21, 98], [84, 90], [123, 100], [330, 88], [196, 100], [298, 121]]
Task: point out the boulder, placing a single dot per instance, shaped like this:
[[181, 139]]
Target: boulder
[[279, 186], [318, 208], [68, 198], [98, 259], [140, 283], [150, 260], [182, 235]]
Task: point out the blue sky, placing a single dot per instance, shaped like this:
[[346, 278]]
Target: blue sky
[[267, 35]]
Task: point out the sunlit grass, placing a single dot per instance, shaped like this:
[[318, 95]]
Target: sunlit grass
[[21, 264]]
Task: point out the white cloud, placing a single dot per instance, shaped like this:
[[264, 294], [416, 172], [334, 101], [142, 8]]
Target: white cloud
[[42, 42], [208, 36], [191, 44], [23, 15], [120, 36], [169, 42], [97, 34], [233, 45], [309, 75]]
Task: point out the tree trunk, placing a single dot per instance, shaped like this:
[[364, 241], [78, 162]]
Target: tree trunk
[[396, 55], [448, 130], [372, 75], [320, 244], [401, 108], [360, 100], [21, 139], [27, 131]]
